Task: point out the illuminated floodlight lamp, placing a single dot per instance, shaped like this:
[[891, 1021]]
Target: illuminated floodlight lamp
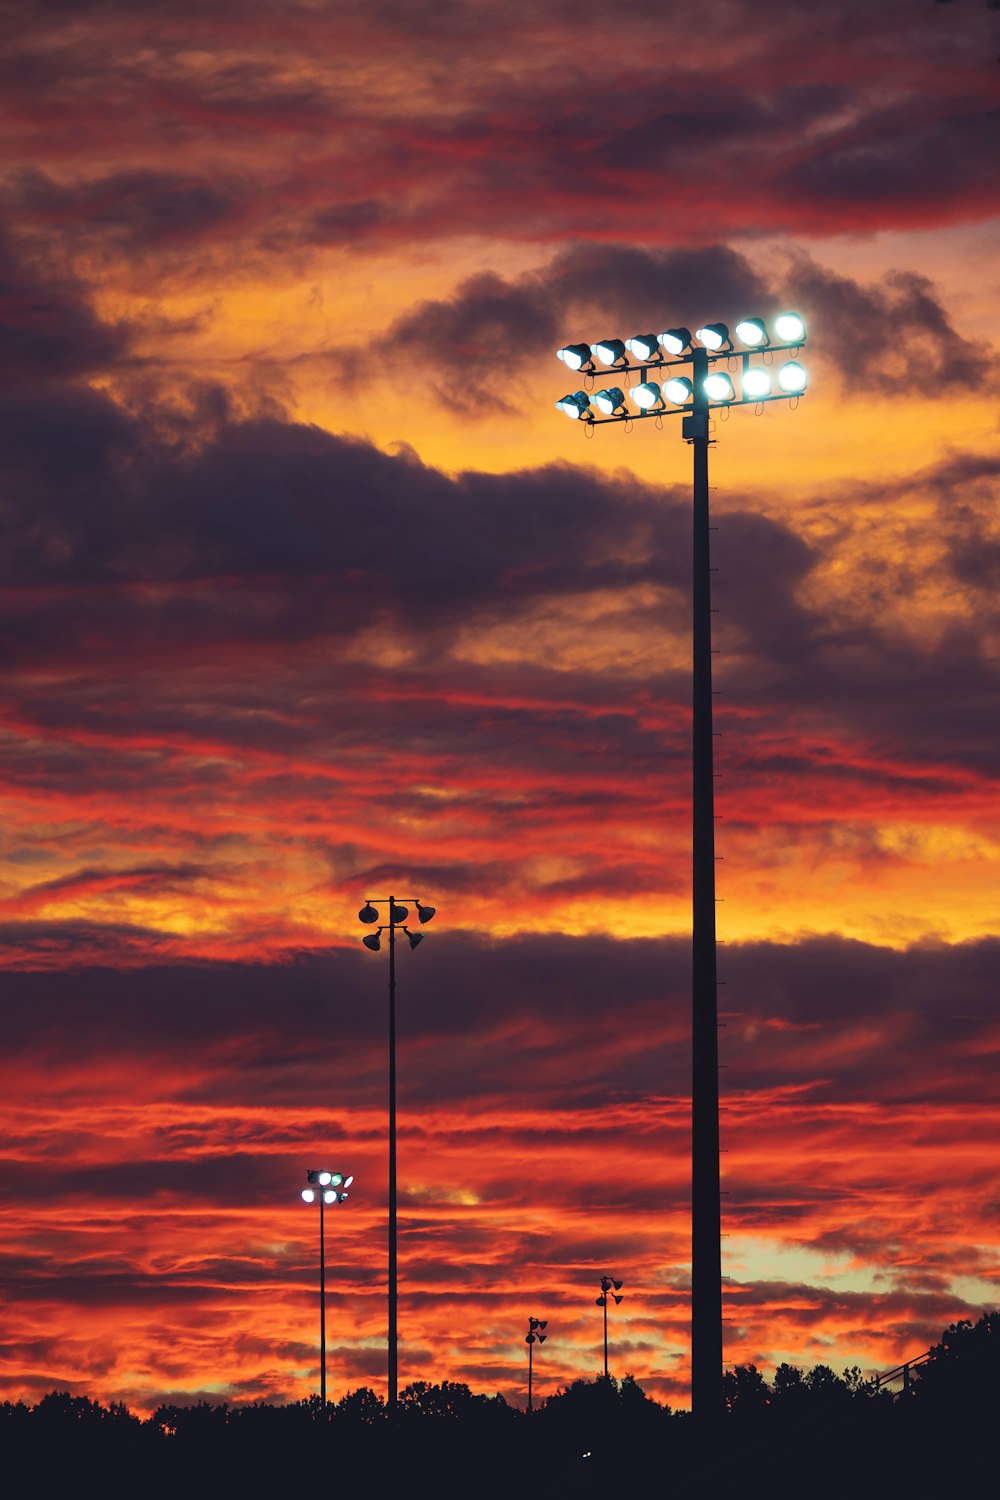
[[308, 1195], [756, 383], [718, 386], [752, 331], [790, 328], [610, 400], [577, 405], [675, 340], [714, 336], [323, 1178], [679, 390], [330, 1195], [647, 395], [424, 913], [576, 356], [645, 346], [610, 351], [792, 378]]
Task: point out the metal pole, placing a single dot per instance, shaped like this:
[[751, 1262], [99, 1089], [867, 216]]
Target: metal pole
[[322, 1304], [393, 1270], [706, 1257], [531, 1350], [605, 1335]]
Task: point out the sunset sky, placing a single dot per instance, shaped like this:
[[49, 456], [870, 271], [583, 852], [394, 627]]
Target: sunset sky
[[310, 595]]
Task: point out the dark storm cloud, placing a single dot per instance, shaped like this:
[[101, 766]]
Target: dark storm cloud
[[582, 1020], [901, 318], [446, 129], [140, 209], [48, 330], [490, 325]]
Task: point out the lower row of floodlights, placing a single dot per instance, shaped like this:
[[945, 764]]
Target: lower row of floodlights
[[676, 345]]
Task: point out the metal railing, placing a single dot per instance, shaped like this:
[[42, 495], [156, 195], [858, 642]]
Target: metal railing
[[899, 1381]]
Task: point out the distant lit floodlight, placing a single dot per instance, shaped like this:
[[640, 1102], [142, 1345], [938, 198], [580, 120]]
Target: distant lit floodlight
[[790, 328], [644, 346], [647, 395], [751, 331], [575, 356], [718, 386], [714, 336], [308, 1195], [610, 400], [756, 383], [675, 340], [610, 351], [678, 390], [577, 405], [792, 377]]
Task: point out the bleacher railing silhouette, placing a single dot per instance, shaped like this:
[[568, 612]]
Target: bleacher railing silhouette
[[898, 1381]]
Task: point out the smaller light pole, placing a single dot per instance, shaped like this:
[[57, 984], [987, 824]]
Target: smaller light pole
[[535, 1336], [398, 916], [326, 1188], [614, 1287]]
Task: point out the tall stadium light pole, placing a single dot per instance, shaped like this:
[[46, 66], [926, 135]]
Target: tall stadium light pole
[[326, 1188], [703, 389], [398, 916], [534, 1336]]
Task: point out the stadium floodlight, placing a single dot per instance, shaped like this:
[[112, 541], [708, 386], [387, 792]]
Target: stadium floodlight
[[792, 377], [332, 1190], [714, 336], [643, 347], [718, 386], [790, 328], [576, 356], [678, 389], [610, 351], [756, 382], [752, 331], [647, 395], [704, 387], [610, 400], [576, 405], [675, 340]]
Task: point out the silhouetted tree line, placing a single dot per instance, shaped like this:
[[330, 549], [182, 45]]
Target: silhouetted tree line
[[823, 1431]]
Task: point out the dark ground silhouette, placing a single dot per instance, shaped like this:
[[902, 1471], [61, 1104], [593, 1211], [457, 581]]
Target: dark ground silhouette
[[818, 1433]]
